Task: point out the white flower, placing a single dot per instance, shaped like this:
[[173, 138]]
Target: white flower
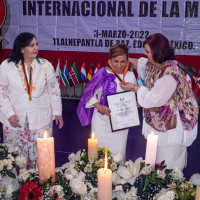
[[134, 192], [165, 194], [118, 187], [71, 157], [78, 187], [195, 179], [58, 169], [9, 166], [115, 177], [121, 181], [177, 174], [118, 158], [146, 170], [11, 157], [161, 174], [118, 194], [82, 154], [66, 165], [20, 161], [24, 176], [81, 176], [113, 166], [58, 189], [71, 170], [81, 162], [68, 176], [93, 192], [100, 162], [88, 168], [131, 170], [5, 162]]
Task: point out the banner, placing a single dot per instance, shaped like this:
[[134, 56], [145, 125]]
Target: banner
[[93, 26]]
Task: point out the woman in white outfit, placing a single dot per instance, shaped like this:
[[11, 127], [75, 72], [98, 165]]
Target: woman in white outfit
[[169, 106], [93, 106], [29, 97]]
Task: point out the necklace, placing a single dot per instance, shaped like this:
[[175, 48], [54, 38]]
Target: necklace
[[116, 74], [27, 83]]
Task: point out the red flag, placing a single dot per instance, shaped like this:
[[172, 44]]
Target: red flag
[[98, 67]]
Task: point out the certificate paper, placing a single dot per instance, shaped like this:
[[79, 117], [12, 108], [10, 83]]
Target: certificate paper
[[124, 112]]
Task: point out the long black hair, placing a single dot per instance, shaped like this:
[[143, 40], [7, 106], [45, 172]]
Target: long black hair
[[21, 41]]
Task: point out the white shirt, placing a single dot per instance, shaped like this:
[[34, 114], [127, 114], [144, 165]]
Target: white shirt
[[100, 125], [156, 97], [14, 99]]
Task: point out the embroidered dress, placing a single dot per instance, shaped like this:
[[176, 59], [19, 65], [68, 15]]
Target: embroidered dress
[[172, 143], [103, 83], [35, 114], [26, 141]]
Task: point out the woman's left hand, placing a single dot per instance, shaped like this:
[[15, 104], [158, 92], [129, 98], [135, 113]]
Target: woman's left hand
[[59, 121]]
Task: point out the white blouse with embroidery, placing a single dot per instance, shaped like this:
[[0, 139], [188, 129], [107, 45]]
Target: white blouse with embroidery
[[14, 99]]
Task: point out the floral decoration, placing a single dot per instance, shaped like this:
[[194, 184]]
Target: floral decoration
[[77, 180]]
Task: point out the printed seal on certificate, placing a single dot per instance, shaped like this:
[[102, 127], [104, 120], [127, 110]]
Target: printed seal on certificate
[[124, 111]]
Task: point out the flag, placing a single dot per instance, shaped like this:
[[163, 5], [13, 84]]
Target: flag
[[97, 68], [64, 75], [83, 73], [74, 77], [58, 71], [91, 72]]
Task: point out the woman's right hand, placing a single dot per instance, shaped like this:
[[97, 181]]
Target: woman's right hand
[[14, 122], [103, 109]]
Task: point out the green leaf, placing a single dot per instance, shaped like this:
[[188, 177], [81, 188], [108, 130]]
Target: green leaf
[[12, 175]]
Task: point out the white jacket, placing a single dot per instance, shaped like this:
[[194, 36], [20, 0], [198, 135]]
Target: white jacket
[[14, 99]]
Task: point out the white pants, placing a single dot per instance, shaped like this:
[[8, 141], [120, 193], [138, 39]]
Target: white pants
[[174, 156]]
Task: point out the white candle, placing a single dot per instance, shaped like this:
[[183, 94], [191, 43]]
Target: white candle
[[104, 176], [197, 196], [46, 158], [93, 147], [151, 148]]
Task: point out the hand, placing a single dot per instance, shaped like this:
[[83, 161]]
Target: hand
[[59, 121], [103, 109], [126, 86], [129, 86], [14, 122]]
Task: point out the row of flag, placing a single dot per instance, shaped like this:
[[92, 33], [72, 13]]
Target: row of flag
[[72, 77]]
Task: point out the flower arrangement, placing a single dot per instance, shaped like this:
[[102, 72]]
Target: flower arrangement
[[77, 179], [9, 160]]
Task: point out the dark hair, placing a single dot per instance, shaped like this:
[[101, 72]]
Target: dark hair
[[118, 50], [160, 48], [21, 41]]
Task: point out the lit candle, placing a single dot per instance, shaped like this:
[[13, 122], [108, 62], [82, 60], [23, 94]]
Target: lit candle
[[151, 148], [104, 176], [93, 147], [197, 196], [46, 158]]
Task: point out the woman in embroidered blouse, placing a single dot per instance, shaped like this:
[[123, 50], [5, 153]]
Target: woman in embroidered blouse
[[169, 106], [93, 106], [29, 97]]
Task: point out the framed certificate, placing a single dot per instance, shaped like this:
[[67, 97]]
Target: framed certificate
[[124, 112]]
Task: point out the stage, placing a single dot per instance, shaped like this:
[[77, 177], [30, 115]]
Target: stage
[[73, 137]]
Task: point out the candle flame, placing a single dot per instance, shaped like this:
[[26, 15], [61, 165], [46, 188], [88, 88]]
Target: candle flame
[[93, 135], [106, 162], [152, 133], [45, 134]]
